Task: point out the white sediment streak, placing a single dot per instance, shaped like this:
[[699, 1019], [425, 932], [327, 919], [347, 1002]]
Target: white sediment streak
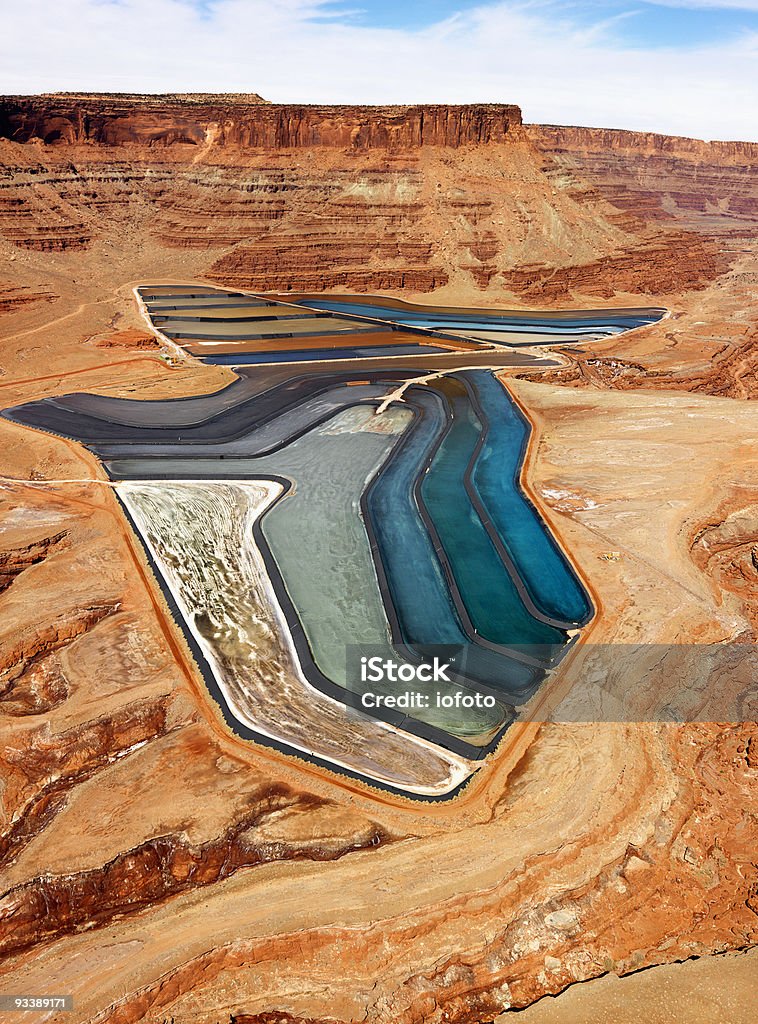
[[398, 395], [200, 536]]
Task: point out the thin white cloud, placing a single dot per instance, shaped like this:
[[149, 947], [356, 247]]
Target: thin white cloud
[[708, 5], [558, 70]]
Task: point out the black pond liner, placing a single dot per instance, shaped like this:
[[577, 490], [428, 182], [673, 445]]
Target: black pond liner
[[229, 457], [317, 355], [249, 303], [274, 401], [161, 318], [179, 336]]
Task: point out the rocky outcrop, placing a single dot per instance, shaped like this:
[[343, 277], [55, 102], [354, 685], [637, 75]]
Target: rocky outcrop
[[680, 262], [129, 339], [562, 138], [14, 298], [245, 122], [287, 197], [31, 681], [52, 771], [15, 560], [710, 186], [46, 908], [732, 373], [55, 198], [319, 261], [19, 655], [276, 1017], [40, 216], [726, 550]]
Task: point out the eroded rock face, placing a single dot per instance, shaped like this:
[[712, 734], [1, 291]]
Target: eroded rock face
[[349, 199], [13, 298], [165, 866], [678, 262], [702, 185], [410, 200], [247, 122]]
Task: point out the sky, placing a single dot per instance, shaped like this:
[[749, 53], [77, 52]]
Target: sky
[[684, 67]]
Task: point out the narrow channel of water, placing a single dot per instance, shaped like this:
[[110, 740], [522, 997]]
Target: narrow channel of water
[[419, 594], [597, 322], [539, 561], [489, 593]]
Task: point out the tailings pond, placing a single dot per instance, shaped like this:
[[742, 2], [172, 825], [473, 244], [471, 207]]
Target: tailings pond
[[291, 522]]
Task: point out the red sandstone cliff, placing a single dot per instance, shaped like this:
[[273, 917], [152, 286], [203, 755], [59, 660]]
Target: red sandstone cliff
[[311, 197], [574, 139], [710, 186], [247, 121], [412, 199]]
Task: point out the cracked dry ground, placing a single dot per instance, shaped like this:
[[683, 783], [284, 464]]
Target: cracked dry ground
[[160, 869]]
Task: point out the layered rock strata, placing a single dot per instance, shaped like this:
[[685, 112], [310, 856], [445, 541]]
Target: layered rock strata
[[297, 197], [247, 122], [216, 882], [711, 186]]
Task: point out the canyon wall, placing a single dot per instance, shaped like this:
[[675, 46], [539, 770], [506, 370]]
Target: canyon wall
[[619, 140], [247, 122], [703, 199], [405, 199], [463, 202], [709, 186]]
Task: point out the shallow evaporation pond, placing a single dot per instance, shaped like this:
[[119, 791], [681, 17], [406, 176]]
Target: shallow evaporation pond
[[566, 325], [199, 534], [545, 571], [320, 544], [489, 592], [308, 355], [260, 440], [425, 610]]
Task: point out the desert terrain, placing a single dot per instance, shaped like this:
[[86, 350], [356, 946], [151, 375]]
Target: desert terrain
[[160, 868]]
